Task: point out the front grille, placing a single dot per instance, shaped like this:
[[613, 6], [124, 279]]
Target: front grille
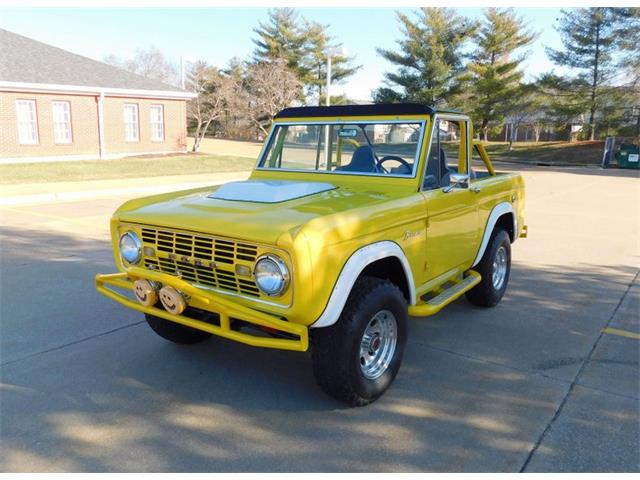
[[200, 247], [201, 260]]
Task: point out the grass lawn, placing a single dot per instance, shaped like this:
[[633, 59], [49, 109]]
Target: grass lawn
[[219, 146], [552, 153], [125, 168]]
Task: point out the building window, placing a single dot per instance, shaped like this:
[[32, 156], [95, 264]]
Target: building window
[[131, 126], [27, 122], [157, 123], [62, 122]]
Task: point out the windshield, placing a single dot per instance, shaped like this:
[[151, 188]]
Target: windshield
[[370, 148]]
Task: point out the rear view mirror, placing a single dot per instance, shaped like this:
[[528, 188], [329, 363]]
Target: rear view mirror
[[457, 180]]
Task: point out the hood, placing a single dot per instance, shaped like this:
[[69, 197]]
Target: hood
[[253, 210], [269, 191]]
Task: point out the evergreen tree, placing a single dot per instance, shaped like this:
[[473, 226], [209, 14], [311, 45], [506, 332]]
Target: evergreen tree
[[303, 46], [629, 40], [591, 37], [282, 38], [430, 57], [561, 105], [494, 74], [319, 44]]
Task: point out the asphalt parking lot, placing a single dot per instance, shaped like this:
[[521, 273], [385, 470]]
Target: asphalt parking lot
[[546, 381]]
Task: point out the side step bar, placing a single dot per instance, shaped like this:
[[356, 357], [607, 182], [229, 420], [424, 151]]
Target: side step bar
[[450, 294]]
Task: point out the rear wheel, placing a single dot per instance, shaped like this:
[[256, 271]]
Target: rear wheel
[[175, 332], [494, 268], [356, 359]]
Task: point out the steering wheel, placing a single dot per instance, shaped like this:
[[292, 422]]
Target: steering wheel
[[404, 163]]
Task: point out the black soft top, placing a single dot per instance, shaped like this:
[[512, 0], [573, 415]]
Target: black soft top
[[360, 110]]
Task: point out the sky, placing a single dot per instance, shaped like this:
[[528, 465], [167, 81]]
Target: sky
[[218, 34]]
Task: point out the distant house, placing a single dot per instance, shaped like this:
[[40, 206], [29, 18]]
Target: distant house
[[55, 104]]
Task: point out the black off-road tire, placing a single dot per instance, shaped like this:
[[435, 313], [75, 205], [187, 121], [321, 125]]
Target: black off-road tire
[[485, 294], [175, 332], [336, 349]]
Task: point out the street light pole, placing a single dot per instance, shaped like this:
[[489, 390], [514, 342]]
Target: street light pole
[[328, 80], [183, 70], [330, 53], [182, 75]]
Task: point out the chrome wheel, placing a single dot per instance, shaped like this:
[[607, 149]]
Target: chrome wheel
[[378, 344], [499, 268]]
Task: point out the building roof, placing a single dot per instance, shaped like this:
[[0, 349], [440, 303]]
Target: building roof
[[360, 110], [27, 61]]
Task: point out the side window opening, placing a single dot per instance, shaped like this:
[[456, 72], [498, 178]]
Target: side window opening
[[478, 168], [445, 152]]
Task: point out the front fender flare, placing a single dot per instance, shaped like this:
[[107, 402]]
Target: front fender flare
[[352, 270]]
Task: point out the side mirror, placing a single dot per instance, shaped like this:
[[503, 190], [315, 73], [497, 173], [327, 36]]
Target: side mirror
[[457, 180]]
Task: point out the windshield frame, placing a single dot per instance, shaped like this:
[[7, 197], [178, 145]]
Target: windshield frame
[[346, 121]]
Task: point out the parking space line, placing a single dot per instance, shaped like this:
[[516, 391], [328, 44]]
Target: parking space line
[[49, 216], [621, 333]]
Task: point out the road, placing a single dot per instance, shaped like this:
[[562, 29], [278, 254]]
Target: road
[[546, 381]]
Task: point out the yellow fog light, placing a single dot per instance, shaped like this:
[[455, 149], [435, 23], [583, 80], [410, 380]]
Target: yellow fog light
[[146, 292], [172, 300]]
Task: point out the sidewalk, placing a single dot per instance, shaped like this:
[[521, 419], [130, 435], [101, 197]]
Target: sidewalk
[[33, 193]]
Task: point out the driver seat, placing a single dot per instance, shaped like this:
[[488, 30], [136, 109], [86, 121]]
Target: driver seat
[[445, 172], [363, 160]]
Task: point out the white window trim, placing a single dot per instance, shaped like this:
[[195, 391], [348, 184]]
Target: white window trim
[[35, 126], [153, 123], [56, 140], [136, 109]]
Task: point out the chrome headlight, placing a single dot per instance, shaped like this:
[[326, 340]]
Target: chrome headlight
[[272, 275], [130, 248]]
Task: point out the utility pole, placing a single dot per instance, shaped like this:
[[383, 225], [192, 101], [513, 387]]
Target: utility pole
[[328, 102], [330, 53], [183, 70], [182, 73]]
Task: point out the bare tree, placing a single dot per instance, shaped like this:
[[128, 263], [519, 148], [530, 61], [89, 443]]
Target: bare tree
[[213, 90], [270, 88], [523, 107], [538, 125], [150, 63]]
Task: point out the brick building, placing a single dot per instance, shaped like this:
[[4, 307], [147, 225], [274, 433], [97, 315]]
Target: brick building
[[55, 104]]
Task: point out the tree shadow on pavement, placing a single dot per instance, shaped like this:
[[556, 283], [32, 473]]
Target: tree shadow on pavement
[[87, 387]]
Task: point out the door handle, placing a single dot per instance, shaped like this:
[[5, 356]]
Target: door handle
[[474, 189]]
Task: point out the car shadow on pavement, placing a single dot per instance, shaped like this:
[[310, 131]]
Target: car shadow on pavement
[[91, 388]]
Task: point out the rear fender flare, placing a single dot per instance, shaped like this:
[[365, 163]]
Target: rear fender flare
[[499, 210]]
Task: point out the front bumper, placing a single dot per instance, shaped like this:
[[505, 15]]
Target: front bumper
[[297, 335]]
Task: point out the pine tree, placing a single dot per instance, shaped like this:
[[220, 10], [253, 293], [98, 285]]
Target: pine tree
[[430, 57], [282, 38], [319, 44], [561, 104], [590, 37], [494, 73], [303, 46]]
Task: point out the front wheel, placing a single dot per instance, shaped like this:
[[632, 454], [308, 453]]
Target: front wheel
[[356, 359], [175, 332], [494, 268]]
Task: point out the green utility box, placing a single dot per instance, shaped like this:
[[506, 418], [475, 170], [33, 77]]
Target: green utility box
[[628, 156]]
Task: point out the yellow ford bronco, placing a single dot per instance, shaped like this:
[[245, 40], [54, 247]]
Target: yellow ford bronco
[[354, 218]]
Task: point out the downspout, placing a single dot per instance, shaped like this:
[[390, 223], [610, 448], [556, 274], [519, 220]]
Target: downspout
[[101, 125]]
